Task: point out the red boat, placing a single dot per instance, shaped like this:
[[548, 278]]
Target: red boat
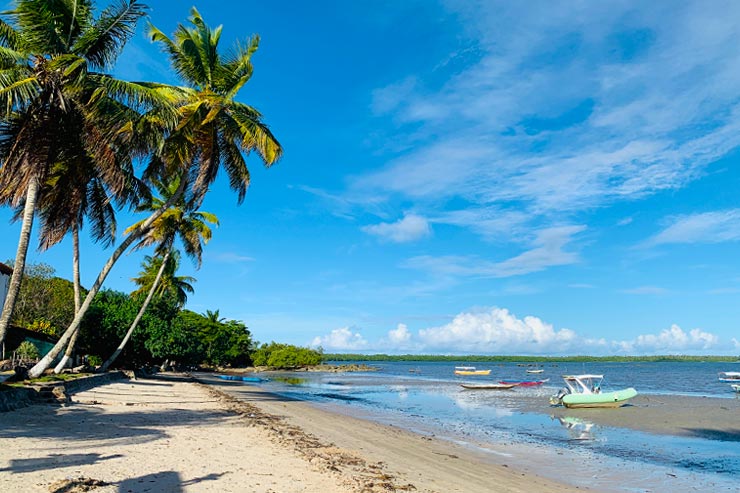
[[524, 383]]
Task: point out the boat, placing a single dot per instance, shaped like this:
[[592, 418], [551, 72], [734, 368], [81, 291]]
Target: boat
[[487, 386], [535, 371], [585, 391], [524, 383], [729, 376], [5, 375], [735, 387], [470, 371]]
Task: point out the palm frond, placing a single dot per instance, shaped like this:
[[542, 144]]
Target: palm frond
[[102, 40]]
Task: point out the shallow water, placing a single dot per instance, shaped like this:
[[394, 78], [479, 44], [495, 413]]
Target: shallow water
[[430, 400]]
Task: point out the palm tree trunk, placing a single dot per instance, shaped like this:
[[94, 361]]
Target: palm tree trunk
[[77, 294], [19, 264], [47, 360], [143, 308]]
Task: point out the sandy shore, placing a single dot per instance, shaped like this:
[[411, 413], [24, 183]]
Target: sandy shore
[[172, 435]]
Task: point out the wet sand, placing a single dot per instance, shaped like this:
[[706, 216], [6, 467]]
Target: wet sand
[[170, 435]]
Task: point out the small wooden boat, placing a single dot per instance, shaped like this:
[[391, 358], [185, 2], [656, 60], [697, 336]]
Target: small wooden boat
[[487, 386], [472, 372], [535, 371], [585, 391], [524, 383]]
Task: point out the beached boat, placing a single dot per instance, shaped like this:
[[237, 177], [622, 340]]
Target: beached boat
[[535, 371], [729, 376], [524, 383], [470, 371], [585, 391], [487, 386]]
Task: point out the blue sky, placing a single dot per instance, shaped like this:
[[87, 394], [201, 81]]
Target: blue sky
[[475, 177]]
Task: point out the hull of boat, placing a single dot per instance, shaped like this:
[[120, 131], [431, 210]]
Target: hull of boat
[[524, 383], [473, 372], [492, 386], [604, 399]]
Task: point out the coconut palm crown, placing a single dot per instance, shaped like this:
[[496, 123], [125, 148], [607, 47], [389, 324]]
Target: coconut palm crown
[[214, 130]]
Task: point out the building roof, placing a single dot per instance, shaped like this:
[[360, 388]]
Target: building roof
[[5, 269]]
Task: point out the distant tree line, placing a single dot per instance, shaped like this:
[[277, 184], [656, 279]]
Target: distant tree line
[[521, 358]]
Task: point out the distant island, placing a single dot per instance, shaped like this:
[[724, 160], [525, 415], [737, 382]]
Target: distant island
[[524, 359]]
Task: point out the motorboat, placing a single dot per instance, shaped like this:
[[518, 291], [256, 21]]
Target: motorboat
[[487, 386], [735, 387], [729, 376], [524, 383], [535, 371], [585, 391]]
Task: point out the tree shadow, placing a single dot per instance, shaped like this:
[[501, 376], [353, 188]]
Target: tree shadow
[[162, 482], [54, 461], [712, 434]]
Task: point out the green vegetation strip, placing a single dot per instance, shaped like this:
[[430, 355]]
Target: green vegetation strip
[[527, 359]]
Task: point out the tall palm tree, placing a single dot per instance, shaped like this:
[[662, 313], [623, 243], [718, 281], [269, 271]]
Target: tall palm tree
[[178, 221], [53, 102], [213, 131]]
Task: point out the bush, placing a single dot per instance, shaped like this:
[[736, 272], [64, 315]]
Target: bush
[[27, 350], [286, 356]]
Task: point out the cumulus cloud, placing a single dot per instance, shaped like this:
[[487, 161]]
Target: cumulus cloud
[[409, 228], [497, 332], [672, 340], [400, 335], [341, 339]]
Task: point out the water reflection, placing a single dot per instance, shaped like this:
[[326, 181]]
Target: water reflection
[[577, 428], [291, 380]]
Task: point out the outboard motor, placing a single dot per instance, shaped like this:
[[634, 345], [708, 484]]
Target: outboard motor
[[557, 399]]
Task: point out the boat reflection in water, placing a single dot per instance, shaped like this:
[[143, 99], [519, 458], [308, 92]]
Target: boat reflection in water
[[578, 429]]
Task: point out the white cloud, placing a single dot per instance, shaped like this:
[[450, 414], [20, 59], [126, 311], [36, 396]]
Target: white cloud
[[341, 339], [497, 332], [400, 335], [548, 251], [707, 227], [232, 258], [565, 109], [673, 340], [646, 290], [410, 228]]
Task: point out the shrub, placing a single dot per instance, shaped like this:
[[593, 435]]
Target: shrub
[[27, 350]]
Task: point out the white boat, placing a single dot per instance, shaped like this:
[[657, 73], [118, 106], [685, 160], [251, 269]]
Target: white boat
[[735, 387], [535, 371], [729, 376], [585, 391]]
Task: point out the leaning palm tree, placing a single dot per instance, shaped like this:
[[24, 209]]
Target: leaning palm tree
[[191, 227], [52, 101], [213, 131]]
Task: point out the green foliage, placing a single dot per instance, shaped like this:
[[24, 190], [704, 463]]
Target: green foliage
[[94, 360], [27, 350], [286, 356], [45, 302]]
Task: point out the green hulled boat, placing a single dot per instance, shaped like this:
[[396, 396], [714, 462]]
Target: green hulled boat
[[585, 391]]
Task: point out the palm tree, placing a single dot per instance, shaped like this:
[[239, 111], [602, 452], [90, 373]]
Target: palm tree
[[169, 284], [191, 227], [213, 131], [55, 106]]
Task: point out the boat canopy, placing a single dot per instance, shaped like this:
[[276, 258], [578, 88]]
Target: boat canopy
[[583, 384]]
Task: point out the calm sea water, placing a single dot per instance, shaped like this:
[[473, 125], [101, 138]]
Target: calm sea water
[[426, 397]]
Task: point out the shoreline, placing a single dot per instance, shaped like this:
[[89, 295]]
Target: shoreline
[[169, 434]]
